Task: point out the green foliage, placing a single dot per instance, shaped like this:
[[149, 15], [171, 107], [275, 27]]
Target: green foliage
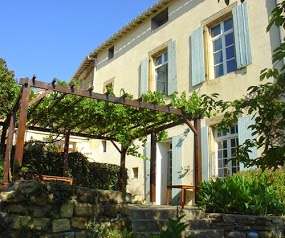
[[38, 191], [44, 159], [175, 228], [265, 102], [61, 192], [9, 89], [249, 193]]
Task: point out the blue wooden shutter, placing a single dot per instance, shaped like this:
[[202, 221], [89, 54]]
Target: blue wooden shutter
[[147, 172], [172, 68], [143, 84], [244, 133], [197, 57], [242, 38], [176, 167], [205, 153]]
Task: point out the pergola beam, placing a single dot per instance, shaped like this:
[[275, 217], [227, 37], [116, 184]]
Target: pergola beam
[[104, 97]]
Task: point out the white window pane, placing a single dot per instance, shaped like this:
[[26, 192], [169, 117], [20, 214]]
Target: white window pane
[[231, 65], [229, 39], [218, 57], [165, 57], [219, 70], [220, 173], [228, 24], [230, 52], [220, 155], [159, 60], [217, 45], [216, 30]]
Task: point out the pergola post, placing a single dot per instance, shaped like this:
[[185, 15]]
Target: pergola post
[[21, 128], [198, 156], [122, 178], [8, 150], [65, 153], [3, 136], [153, 168]]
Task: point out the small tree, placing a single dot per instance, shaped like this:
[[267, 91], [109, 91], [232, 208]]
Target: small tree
[[267, 105]]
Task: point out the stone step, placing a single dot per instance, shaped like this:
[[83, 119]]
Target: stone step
[[199, 224], [163, 212], [204, 233], [149, 225]]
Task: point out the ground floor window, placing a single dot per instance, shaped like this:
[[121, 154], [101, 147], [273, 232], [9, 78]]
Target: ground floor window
[[227, 143]]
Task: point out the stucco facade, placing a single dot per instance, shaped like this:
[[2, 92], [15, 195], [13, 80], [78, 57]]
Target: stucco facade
[[121, 60]]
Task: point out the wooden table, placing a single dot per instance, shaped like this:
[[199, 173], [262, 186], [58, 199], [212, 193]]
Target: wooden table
[[183, 192]]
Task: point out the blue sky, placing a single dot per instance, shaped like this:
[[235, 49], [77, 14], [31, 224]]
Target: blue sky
[[51, 37]]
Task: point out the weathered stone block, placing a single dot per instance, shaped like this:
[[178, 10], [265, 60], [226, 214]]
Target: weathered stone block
[[40, 223], [10, 196], [66, 210], [39, 201], [19, 209], [89, 196], [112, 210], [60, 225], [25, 186], [82, 234], [86, 210], [120, 197], [41, 211], [21, 222], [79, 222]]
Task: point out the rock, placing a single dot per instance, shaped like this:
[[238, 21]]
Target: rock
[[60, 225]]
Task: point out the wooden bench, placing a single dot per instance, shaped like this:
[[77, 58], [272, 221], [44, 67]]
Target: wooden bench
[[57, 179], [183, 192]]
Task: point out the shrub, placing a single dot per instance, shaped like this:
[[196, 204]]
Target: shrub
[[249, 193], [41, 159]]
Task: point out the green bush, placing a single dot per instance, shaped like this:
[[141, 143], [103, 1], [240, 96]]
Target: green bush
[[250, 193], [40, 159]]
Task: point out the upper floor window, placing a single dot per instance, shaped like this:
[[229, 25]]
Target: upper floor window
[[111, 52], [161, 73], [160, 19], [222, 36], [221, 44]]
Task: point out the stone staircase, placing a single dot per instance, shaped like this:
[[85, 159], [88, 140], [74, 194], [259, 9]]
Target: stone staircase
[[150, 219]]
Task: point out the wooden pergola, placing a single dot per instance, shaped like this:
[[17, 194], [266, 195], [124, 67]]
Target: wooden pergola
[[21, 118]]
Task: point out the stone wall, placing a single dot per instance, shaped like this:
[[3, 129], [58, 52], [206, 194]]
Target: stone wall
[[240, 225], [31, 209]]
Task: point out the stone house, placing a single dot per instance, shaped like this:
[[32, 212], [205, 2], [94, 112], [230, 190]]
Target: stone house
[[184, 45]]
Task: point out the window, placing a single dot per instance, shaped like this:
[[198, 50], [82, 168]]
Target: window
[[135, 172], [223, 48], [221, 44], [227, 143], [161, 73], [104, 146], [160, 19], [111, 53]]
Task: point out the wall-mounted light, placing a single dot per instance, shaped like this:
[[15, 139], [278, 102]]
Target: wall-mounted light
[[186, 131]]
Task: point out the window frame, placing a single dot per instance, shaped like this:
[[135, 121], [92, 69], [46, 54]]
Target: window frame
[[164, 63], [228, 137], [207, 24], [222, 36], [152, 55]]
